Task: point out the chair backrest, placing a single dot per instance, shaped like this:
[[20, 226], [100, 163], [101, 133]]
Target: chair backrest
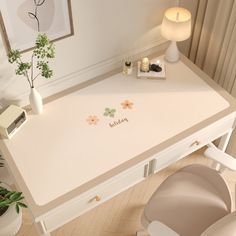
[[157, 228], [223, 227]]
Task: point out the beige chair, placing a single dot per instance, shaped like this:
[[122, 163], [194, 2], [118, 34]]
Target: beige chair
[[195, 201]]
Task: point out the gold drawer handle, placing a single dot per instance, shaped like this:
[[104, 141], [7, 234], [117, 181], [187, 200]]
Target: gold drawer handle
[[196, 143], [98, 198]]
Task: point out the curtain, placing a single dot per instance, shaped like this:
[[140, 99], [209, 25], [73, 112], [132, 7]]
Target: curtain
[[212, 46]]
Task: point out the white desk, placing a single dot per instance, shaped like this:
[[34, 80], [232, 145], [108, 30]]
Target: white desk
[[66, 166]]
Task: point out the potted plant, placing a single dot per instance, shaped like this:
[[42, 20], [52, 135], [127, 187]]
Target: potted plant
[[10, 213], [10, 204], [10, 198], [37, 66]]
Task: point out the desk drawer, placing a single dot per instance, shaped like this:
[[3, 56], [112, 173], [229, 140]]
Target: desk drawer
[[192, 143], [93, 198]]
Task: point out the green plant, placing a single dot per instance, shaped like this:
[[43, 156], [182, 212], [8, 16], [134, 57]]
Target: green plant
[[8, 198], [39, 63]]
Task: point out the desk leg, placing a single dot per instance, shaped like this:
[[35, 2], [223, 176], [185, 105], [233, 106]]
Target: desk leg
[[224, 141], [41, 229]]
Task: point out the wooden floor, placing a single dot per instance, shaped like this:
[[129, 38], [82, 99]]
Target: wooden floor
[[121, 215]]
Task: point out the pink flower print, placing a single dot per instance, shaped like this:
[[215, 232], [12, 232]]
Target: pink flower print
[[127, 104], [92, 120]]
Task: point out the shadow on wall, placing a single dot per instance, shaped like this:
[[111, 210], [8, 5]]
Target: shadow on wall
[[6, 102], [6, 80]]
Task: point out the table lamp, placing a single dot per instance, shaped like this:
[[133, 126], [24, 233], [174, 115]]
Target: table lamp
[[176, 26]]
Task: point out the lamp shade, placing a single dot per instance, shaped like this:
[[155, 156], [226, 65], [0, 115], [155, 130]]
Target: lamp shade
[[176, 24]]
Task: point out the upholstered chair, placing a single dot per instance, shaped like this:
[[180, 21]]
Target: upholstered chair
[[195, 201]]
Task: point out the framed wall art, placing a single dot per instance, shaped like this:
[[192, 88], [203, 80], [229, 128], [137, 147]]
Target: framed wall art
[[22, 20]]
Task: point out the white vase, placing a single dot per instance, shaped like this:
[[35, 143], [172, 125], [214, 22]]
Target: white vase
[[36, 101]]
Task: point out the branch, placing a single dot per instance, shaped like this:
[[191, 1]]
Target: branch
[[26, 73], [32, 65], [36, 77], [30, 83]]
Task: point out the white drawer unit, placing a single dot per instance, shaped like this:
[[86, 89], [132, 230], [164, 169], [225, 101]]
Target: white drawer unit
[[93, 198], [191, 144]]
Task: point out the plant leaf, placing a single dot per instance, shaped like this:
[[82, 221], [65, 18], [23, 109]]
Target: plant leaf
[[15, 196], [3, 192], [22, 205], [8, 194], [21, 198], [5, 203], [17, 208]]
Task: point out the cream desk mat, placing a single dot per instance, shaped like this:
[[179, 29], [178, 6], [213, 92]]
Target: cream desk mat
[[91, 131]]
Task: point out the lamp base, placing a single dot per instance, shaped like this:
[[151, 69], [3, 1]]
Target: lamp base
[[172, 53]]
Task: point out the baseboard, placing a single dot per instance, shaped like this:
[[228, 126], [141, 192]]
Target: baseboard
[[90, 72]]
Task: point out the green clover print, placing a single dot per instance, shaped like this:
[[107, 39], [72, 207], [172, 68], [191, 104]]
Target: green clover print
[[109, 112]]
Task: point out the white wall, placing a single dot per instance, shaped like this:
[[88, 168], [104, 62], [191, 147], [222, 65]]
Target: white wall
[[105, 32]]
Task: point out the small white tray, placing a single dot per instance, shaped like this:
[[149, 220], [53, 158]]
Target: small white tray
[[152, 74]]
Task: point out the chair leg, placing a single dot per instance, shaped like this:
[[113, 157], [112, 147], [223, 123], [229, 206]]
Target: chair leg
[[224, 140], [142, 233]]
